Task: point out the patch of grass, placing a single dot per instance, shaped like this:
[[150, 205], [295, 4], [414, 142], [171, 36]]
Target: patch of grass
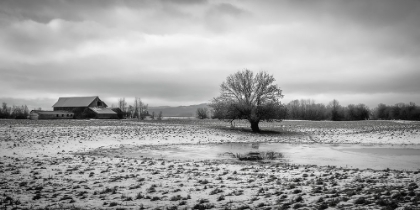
[[205, 181], [215, 191], [333, 202], [155, 198], [176, 198], [296, 191], [151, 189], [139, 196], [298, 205], [262, 204], [361, 200], [203, 206], [126, 198], [298, 199], [36, 197], [112, 204], [221, 198], [109, 190], [135, 186]]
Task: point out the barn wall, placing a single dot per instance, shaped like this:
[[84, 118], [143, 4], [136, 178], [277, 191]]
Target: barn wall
[[69, 109], [54, 116], [79, 112], [33, 116], [106, 116], [40, 116]]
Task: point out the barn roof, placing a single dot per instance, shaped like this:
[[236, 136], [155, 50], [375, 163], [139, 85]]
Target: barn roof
[[74, 101], [102, 110]]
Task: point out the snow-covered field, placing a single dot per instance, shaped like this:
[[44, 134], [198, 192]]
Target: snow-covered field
[[73, 164]]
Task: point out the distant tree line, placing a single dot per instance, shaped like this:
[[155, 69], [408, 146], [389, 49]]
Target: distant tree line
[[309, 110], [14, 112], [398, 111]]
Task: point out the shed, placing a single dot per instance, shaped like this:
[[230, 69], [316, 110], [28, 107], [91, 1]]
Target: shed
[[40, 114], [104, 113]]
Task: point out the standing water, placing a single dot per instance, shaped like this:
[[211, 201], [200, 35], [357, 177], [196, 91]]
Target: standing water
[[356, 156]]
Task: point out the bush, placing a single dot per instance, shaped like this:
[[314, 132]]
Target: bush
[[202, 113]]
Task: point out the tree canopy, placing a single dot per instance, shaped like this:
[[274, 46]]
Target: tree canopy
[[245, 96]]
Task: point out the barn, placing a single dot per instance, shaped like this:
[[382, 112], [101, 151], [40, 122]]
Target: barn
[[39, 115], [85, 107], [70, 103]]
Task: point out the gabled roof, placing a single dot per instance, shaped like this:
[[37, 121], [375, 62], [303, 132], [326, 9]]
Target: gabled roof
[[102, 110], [74, 101]]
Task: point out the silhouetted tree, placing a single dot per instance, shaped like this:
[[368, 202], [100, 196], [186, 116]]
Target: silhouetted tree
[[202, 113], [14, 112], [399, 111], [160, 116], [130, 111], [245, 96], [123, 106], [335, 107], [140, 109], [4, 111], [306, 110]]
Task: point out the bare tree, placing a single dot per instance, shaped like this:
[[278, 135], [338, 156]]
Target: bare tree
[[245, 96], [123, 106], [5, 111], [202, 113], [136, 108], [140, 109], [160, 116], [335, 110], [130, 111]]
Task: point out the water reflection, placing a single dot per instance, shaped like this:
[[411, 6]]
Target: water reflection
[[358, 156], [254, 156]]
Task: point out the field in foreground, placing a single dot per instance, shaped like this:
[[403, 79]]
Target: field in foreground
[[50, 164]]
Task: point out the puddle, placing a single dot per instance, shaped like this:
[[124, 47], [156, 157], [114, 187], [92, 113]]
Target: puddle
[[352, 156]]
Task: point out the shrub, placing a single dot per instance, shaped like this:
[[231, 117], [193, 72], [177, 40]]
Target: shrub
[[202, 113], [113, 204], [176, 198]]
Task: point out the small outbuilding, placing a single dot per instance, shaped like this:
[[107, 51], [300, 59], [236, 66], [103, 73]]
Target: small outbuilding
[[104, 113], [40, 115]]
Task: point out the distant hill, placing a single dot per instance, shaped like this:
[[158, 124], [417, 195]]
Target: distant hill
[[179, 111]]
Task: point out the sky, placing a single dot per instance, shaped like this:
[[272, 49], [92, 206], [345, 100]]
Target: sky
[[172, 53]]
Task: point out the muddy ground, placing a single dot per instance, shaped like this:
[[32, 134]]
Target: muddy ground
[[78, 164]]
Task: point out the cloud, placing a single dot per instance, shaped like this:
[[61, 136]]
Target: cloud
[[178, 52]]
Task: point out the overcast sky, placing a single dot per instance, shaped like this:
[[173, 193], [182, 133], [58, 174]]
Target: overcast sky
[[179, 52]]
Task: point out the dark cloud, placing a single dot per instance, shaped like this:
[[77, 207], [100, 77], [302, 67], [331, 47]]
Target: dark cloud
[[185, 2], [175, 52], [226, 9]]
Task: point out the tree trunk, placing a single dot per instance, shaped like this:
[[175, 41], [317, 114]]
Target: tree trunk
[[254, 126]]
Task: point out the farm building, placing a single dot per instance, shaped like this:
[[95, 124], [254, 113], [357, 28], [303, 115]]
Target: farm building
[[70, 103], [39, 115], [85, 107], [104, 113]]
